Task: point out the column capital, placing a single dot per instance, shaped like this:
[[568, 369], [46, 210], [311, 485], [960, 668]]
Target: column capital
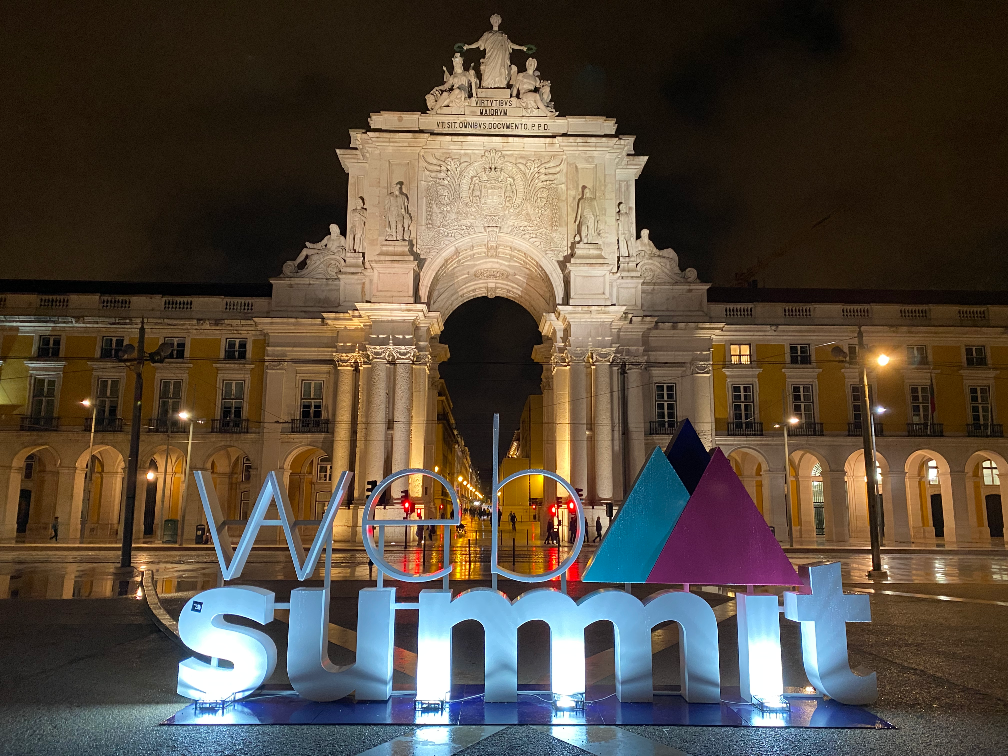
[[700, 367], [605, 355], [349, 359], [392, 353], [578, 355]]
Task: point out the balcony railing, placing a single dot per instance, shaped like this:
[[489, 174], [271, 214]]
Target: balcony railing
[[104, 424], [229, 425], [309, 425], [985, 430], [661, 428], [925, 429], [854, 429], [167, 425], [805, 429], [745, 428], [39, 422]]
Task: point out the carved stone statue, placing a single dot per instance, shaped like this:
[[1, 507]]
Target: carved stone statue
[[397, 215], [586, 220], [660, 265], [322, 259], [495, 68], [530, 89], [457, 87], [358, 223], [625, 238]]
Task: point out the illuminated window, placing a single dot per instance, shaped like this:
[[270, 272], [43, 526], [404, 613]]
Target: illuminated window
[[323, 470], [741, 354], [246, 470], [932, 472], [976, 356], [990, 473]]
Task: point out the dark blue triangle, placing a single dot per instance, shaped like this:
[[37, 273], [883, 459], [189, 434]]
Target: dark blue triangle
[[688, 455]]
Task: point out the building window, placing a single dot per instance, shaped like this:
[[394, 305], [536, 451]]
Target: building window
[[107, 399], [246, 475], [43, 397], [920, 404], [170, 397], [800, 354], [176, 348], [743, 406], [917, 355], [801, 402], [311, 400], [323, 470], [976, 356], [110, 346], [29, 467], [980, 405], [665, 403], [990, 473], [243, 504], [235, 349], [932, 473], [741, 354], [49, 346], [232, 400], [856, 408], [321, 501]]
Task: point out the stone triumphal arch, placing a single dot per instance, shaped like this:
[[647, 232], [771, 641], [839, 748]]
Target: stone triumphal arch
[[492, 191]]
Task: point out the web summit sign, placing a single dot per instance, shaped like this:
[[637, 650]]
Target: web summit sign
[[688, 519]]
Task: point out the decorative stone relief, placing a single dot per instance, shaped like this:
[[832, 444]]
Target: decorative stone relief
[[495, 67], [322, 259], [660, 266], [397, 214], [358, 224], [603, 355], [349, 359], [491, 274], [458, 86], [700, 368], [533, 92], [627, 258], [512, 194], [577, 354]]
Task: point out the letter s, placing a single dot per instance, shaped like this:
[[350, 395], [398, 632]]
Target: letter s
[[203, 629]]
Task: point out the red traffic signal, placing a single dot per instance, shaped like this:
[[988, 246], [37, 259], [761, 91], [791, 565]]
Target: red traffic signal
[[552, 509], [570, 505], [407, 506]]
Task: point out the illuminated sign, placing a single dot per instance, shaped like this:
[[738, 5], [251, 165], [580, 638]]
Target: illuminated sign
[[683, 502]]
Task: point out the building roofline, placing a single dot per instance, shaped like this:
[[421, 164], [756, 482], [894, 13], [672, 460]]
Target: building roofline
[[138, 288], [746, 295]]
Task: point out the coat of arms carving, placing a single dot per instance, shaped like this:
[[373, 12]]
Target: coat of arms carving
[[514, 195]]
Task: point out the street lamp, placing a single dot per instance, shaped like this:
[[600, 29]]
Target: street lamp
[[88, 474], [184, 416], [868, 441], [135, 357], [787, 475]]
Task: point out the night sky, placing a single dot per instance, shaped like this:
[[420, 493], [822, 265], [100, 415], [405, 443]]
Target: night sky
[[194, 141]]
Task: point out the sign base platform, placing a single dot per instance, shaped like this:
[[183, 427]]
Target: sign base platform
[[534, 707]]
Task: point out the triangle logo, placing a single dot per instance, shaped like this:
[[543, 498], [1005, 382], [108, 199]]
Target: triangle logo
[[688, 455], [721, 538], [641, 527]]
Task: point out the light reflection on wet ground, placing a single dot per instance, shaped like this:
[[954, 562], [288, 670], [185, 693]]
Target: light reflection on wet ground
[[94, 573]]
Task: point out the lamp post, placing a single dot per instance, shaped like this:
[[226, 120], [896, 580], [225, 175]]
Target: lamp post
[[868, 441], [88, 474], [164, 475], [185, 415], [135, 357], [785, 422]]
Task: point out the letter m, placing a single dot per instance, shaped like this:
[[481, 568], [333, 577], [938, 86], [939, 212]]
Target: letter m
[[232, 561]]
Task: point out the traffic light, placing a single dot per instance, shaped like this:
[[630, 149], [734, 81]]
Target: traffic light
[[552, 510], [580, 493], [371, 486], [608, 509], [570, 505], [407, 507]]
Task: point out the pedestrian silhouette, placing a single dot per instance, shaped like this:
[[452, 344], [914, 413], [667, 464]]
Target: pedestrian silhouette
[[514, 521], [55, 530], [549, 531], [598, 530]]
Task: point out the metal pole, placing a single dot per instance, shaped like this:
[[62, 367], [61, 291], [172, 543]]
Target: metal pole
[[164, 475], [185, 482], [785, 421], [867, 438], [88, 474], [126, 555]]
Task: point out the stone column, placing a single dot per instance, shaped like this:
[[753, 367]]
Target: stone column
[[635, 420], [70, 525], [616, 429], [603, 437], [377, 419], [418, 431], [965, 519], [579, 420], [562, 415], [549, 433], [342, 411], [402, 416], [777, 516], [703, 402], [273, 407], [363, 389], [8, 522], [899, 529]]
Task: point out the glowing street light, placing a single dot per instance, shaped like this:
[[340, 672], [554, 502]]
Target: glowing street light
[[883, 359]]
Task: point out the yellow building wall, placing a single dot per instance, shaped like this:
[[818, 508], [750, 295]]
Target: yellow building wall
[[14, 375], [201, 391], [78, 351], [950, 394], [832, 385], [770, 358]]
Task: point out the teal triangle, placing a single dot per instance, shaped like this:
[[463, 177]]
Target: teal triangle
[[638, 533]]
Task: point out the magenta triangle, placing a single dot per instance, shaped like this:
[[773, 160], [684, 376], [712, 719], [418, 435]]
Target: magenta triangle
[[721, 538]]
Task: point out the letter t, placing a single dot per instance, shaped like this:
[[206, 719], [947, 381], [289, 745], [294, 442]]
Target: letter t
[[823, 615]]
